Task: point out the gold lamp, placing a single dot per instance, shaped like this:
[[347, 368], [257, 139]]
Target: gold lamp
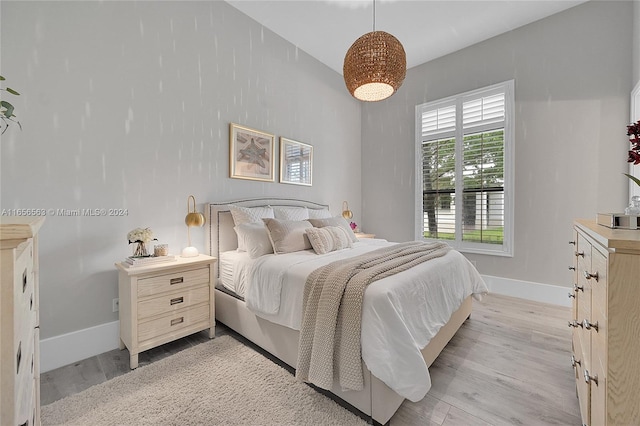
[[193, 218], [375, 65], [346, 213]]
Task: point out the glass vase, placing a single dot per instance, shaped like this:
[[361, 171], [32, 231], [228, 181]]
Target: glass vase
[[140, 249], [634, 206]]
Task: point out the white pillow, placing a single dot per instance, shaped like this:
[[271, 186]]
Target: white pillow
[[250, 214], [327, 239], [319, 214], [254, 238], [335, 221], [288, 236], [291, 213]]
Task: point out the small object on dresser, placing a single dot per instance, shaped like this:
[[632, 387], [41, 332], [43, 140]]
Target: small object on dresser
[[141, 237], [619, 220], [634, 207], [161, 250], [149, 260]]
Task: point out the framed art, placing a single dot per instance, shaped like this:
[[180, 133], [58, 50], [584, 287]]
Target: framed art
[[251, 154], [296, 162]]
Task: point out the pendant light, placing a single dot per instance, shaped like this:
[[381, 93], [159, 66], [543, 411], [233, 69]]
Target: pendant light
[[375, 65]]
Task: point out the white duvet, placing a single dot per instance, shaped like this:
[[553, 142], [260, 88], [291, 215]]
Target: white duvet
[[400, 314]]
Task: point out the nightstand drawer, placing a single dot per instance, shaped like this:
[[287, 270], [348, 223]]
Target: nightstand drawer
[[171, 282], [172, 302], [171, 323]]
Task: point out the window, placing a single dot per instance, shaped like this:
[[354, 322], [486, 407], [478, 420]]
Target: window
[[464, 147]]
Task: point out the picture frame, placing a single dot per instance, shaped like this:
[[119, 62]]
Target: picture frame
[[296, 162], [251, 154]]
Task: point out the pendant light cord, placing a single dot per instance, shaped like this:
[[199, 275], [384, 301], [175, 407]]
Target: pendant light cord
[[374, 16]]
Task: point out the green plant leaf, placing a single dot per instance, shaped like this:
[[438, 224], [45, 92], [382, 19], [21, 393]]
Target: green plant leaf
[[9, 109], [2, 78], [633, 178], [13, 92]]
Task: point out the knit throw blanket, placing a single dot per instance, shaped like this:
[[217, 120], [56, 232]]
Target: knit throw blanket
[[329, 345]]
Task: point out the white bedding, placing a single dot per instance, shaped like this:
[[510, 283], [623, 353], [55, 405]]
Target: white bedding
[[400, 313]]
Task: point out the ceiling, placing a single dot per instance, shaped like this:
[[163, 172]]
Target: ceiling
[[428, 29]]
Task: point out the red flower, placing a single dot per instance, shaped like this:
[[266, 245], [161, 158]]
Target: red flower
[[633, 131]]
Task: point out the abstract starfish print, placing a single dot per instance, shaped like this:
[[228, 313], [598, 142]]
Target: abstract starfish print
[[253, 154]]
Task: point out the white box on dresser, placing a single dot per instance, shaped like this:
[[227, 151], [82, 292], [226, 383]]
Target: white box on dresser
[[606, 323], [19, 321], [164, 301]]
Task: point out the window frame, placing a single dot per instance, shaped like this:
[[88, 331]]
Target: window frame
[[506, 248]]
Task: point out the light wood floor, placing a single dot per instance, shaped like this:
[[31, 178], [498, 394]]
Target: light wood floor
[[507, 365]]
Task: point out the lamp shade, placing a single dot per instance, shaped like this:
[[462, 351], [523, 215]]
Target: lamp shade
[[194, 219], [375, 66]]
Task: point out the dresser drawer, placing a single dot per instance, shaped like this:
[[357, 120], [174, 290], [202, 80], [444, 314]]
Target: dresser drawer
[[173, 281], [177, 321], [169, 302]]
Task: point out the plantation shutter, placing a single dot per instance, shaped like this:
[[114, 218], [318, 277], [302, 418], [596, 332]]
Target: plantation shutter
[[463, 147]]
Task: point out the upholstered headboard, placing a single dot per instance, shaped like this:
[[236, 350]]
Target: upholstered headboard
[[223, 238]]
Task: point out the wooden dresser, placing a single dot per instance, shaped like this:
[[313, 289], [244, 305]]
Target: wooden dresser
[[606, 323], [165, 301], [19, 321]]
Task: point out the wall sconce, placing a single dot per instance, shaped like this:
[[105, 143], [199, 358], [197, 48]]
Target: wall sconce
[[193, 218], [346, 213]]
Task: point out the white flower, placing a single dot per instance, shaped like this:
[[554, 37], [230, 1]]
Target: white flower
[[140, 235]]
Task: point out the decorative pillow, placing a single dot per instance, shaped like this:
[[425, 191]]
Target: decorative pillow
[[335, 221], [288, 236], [327, 239], [250, 214], [254, 237], [319, 214], [291, 213]]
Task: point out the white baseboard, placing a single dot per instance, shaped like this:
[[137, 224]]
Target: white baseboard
[[66, 349], [538, 292]]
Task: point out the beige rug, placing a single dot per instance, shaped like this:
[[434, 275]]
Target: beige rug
[[220, 382]]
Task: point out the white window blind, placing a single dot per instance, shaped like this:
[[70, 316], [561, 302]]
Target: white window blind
[[464, 144]]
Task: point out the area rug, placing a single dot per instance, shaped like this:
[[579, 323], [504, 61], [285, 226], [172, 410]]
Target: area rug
[[220, 382]]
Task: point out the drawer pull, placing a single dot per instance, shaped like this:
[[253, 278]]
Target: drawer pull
[[588, 378], [31, 303], [179, 280], [575, 324], [18, 358], [576, 288], [581, 253], [572, 295], [574, 361], [177, 300], [587, 325], [588, 276], [572, 268], [572, 243], [177, 321], [24, 280]]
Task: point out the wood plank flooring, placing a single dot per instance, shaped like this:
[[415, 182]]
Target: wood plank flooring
[[507, 365]]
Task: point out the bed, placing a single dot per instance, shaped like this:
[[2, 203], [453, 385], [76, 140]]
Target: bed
[[273, 323]]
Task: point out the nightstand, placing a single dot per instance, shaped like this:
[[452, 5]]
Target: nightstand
[[163, 302], [363, 235]]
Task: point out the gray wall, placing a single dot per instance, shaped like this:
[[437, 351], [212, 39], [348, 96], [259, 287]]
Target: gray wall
[[127, 105], [636, 42], [572, 75]]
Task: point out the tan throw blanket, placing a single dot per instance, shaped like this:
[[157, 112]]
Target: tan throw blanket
[[332, 311]]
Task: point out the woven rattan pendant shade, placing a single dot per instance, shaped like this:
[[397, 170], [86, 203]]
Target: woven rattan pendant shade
[[375, 66]]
